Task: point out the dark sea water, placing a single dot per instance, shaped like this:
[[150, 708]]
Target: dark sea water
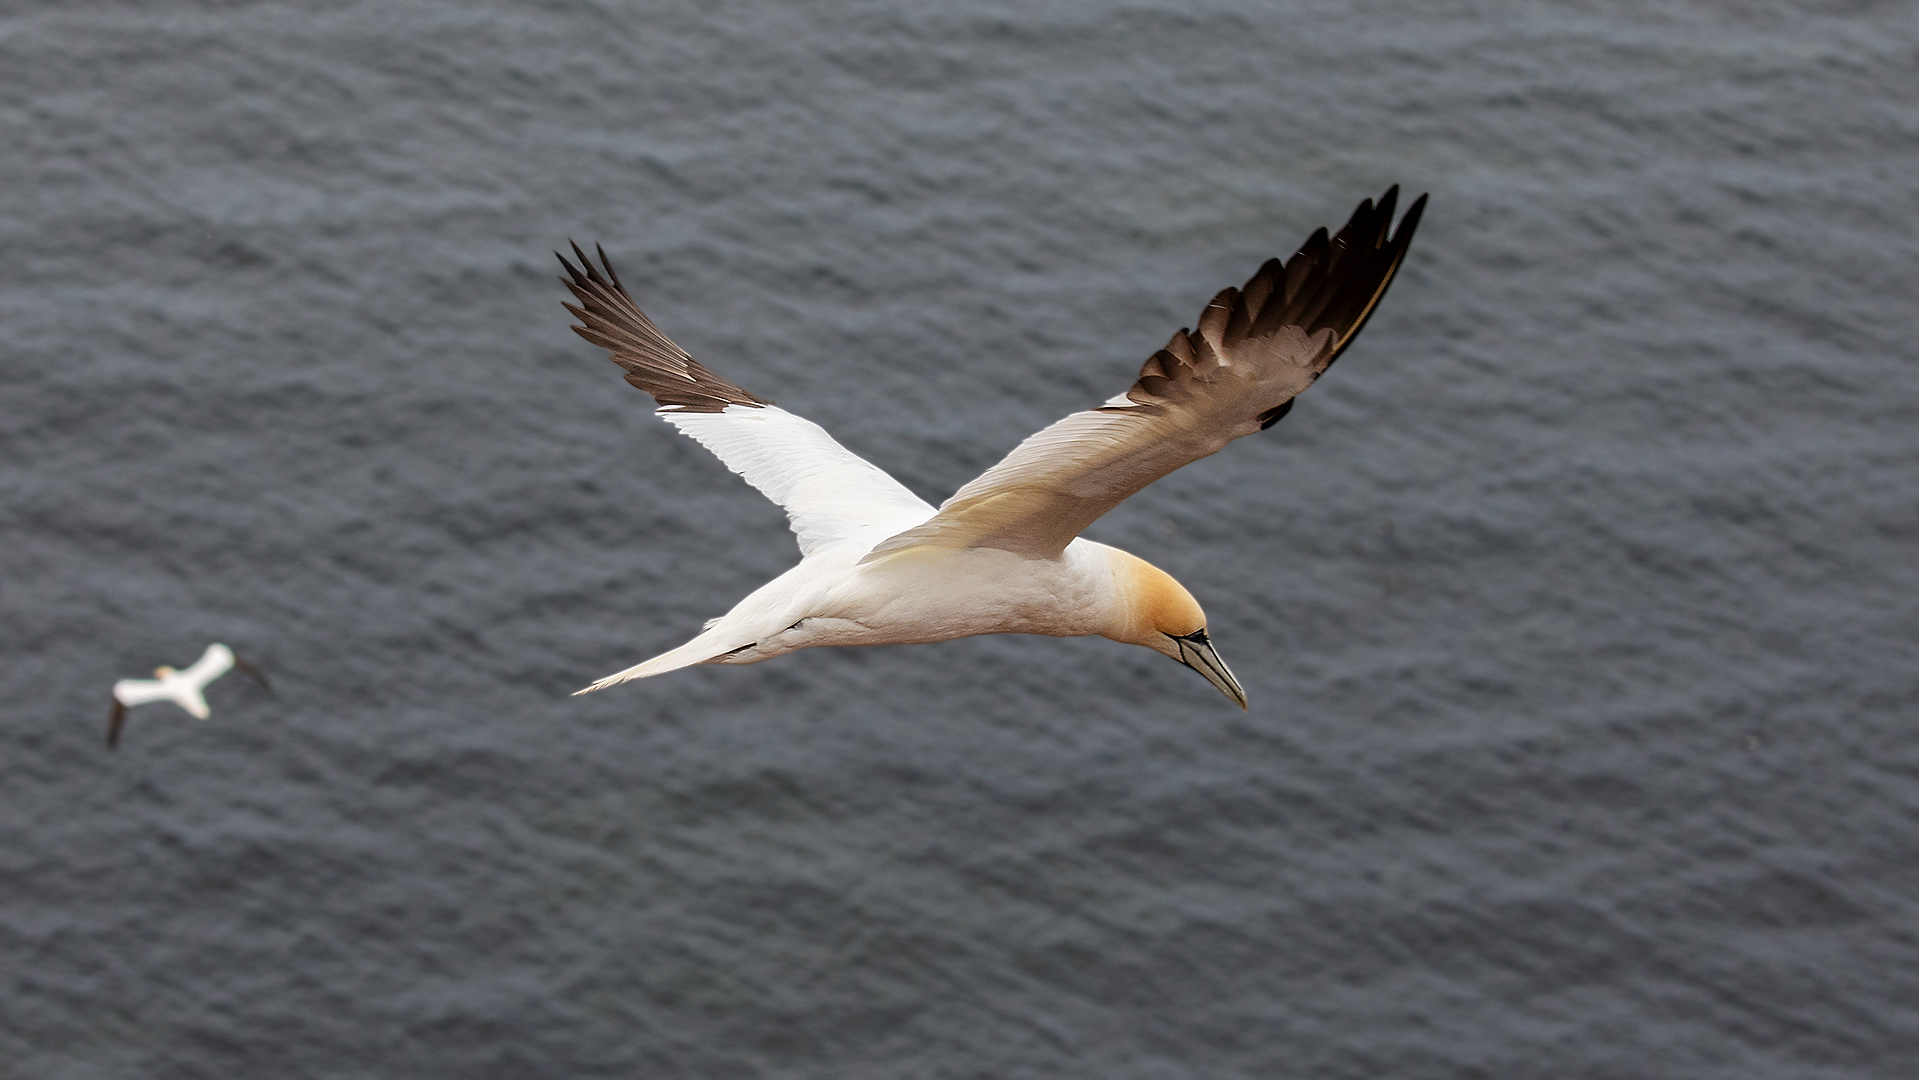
[[1578, 606]]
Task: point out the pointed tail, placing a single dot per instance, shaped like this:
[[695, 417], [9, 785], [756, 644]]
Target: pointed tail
[[703, 649]]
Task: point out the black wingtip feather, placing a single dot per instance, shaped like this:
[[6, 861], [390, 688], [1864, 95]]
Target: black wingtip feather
[[1330, 288], [1390, 250], [610, 319], [254, 673]]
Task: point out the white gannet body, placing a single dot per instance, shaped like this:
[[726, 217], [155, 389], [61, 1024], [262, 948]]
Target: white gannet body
[[185, 688], [1003, 555]]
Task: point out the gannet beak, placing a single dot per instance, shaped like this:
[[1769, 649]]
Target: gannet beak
[[1197, 653]]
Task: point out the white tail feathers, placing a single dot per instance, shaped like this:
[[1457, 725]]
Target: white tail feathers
[[703, 649]]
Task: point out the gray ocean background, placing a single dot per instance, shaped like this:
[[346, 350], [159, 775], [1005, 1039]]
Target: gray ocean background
[[1577, 605]]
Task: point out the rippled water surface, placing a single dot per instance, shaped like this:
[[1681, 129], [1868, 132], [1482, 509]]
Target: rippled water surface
[[1576, 605]]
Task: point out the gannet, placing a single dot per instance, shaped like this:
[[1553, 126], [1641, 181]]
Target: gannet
[[1004, 556], [186, 689]]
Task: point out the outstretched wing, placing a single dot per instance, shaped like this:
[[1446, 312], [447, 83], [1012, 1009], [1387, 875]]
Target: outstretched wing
[[140, 691], [828, 492], [212, 664], [1254, 350]]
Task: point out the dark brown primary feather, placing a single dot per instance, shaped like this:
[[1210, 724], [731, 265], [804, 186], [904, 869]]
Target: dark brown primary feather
[[1330, 287], [253, 673], [653, 363], [115, 719]]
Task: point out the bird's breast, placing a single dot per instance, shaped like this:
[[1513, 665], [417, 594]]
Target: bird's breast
[[935, 594]]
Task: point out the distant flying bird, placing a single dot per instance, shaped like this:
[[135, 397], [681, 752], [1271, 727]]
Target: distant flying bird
[[186, 689], [1003, 555]]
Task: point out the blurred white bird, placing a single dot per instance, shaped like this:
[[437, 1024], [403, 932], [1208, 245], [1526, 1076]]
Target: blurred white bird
[[1003, 555], [186, 689]]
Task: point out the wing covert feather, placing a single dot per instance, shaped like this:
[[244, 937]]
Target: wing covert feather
[[829, 493]]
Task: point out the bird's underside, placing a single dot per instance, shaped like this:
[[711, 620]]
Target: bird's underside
[[1003, 554]]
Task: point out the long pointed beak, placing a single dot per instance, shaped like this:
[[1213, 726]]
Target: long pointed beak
[[1197, 653]]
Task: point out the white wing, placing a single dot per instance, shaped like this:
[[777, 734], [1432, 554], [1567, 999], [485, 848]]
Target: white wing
[[213, 663], [141, 691], [828, 492], [1253, 351]]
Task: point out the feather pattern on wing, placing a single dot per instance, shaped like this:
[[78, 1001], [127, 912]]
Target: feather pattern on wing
[[1253, 351], [829, 493]]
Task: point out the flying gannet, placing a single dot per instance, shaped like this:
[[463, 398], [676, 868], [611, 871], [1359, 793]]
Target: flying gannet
[[879, 566], [186, 689]]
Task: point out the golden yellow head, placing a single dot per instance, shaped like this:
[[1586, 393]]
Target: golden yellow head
[[1158, 612], [1153, 605], [162, 671]]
